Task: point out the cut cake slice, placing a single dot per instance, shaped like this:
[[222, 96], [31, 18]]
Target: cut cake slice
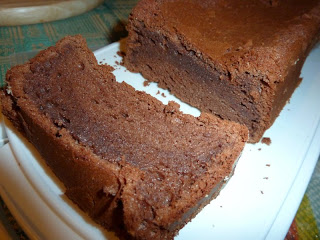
[[136, 166]]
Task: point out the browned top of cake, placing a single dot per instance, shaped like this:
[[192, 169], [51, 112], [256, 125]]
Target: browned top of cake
[[170, 151], [238, 36]]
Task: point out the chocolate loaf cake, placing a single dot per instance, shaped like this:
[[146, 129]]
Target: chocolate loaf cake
[[136, 166], [238, 60]]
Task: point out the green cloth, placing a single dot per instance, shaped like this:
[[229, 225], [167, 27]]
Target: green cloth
[[308, 215]]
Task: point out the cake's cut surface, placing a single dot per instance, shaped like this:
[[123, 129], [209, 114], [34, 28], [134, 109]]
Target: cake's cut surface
[[238, 60], [134, 165]]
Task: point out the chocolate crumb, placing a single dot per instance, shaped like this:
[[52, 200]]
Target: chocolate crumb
[[259, 149], [268, 165], [266, 140], [121, 54], [162, 94], [262, 192], [158, 92], [266, 178], [146, 83]]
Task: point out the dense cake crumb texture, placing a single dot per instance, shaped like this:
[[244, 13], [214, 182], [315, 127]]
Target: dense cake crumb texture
[[238, 60], [136, 166]]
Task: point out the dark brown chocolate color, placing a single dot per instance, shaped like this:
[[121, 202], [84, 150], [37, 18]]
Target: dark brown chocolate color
[[136, 166], [238, 60], [266, 140]]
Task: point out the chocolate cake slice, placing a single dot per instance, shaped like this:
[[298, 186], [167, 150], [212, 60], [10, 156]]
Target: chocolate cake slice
[[239, 60], [136, 166]]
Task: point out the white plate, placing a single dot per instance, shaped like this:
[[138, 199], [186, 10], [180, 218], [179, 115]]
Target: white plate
[[259, 201]]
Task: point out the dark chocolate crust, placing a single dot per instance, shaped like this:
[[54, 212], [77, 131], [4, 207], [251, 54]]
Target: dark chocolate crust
[[136, 166], [240, 61]]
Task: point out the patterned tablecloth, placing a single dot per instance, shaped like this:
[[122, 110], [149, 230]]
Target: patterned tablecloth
[[101, 26]]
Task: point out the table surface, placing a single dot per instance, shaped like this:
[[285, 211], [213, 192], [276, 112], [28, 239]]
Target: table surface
[[102, 26]]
